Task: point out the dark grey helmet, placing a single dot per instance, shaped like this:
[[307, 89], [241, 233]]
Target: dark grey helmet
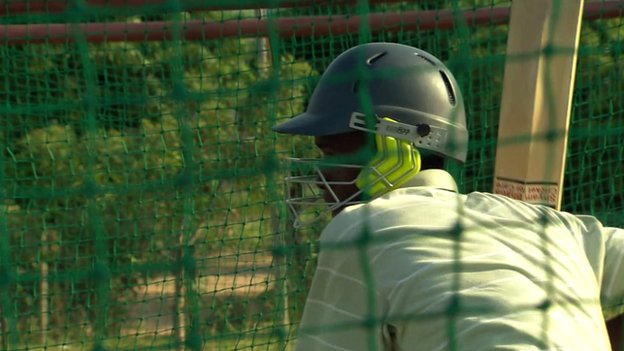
[[401, 82]]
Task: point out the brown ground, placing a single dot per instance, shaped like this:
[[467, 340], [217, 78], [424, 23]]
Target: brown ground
[[217, 285]]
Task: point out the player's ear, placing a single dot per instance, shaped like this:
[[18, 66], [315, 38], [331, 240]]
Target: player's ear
[[366, 147]]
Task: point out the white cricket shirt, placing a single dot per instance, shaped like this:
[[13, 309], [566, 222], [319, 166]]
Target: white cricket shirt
[[422, 268]]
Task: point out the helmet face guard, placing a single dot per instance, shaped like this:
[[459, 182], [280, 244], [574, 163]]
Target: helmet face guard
[[394, 162], [304, 191]]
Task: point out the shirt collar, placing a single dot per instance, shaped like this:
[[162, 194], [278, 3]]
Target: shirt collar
[[432, 178]]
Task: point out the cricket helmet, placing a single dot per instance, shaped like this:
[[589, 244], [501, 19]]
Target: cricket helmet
[[372, 81], [405, 96]]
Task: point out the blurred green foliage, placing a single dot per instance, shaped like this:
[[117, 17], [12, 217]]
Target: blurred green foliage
[[126, 154]]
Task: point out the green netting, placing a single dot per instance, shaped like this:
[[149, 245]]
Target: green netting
[[142, 191]]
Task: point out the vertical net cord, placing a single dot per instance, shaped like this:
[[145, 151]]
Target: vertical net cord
[[372, 322], [100, 275], [455, 305], [269, 66], [8, 327], [186, 274]]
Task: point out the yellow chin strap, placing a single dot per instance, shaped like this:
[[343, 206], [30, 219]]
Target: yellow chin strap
[[394, 163]]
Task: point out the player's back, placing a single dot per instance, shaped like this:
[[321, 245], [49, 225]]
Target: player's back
[[477, 271]]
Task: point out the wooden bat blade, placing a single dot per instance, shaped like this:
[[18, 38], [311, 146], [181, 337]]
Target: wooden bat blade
[[536, 101]]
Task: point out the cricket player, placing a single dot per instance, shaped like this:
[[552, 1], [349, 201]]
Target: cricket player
[[407, 262]]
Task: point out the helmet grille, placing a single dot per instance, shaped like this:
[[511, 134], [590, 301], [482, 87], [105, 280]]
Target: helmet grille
[[449, 88]]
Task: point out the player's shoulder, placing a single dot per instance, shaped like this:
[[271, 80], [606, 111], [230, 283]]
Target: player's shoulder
[[500, 207], [421, 208]]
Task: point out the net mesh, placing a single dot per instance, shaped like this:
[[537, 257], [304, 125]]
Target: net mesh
[[142, 187]]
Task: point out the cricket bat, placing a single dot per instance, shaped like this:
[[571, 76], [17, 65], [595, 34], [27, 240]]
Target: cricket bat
[[536, 100]]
